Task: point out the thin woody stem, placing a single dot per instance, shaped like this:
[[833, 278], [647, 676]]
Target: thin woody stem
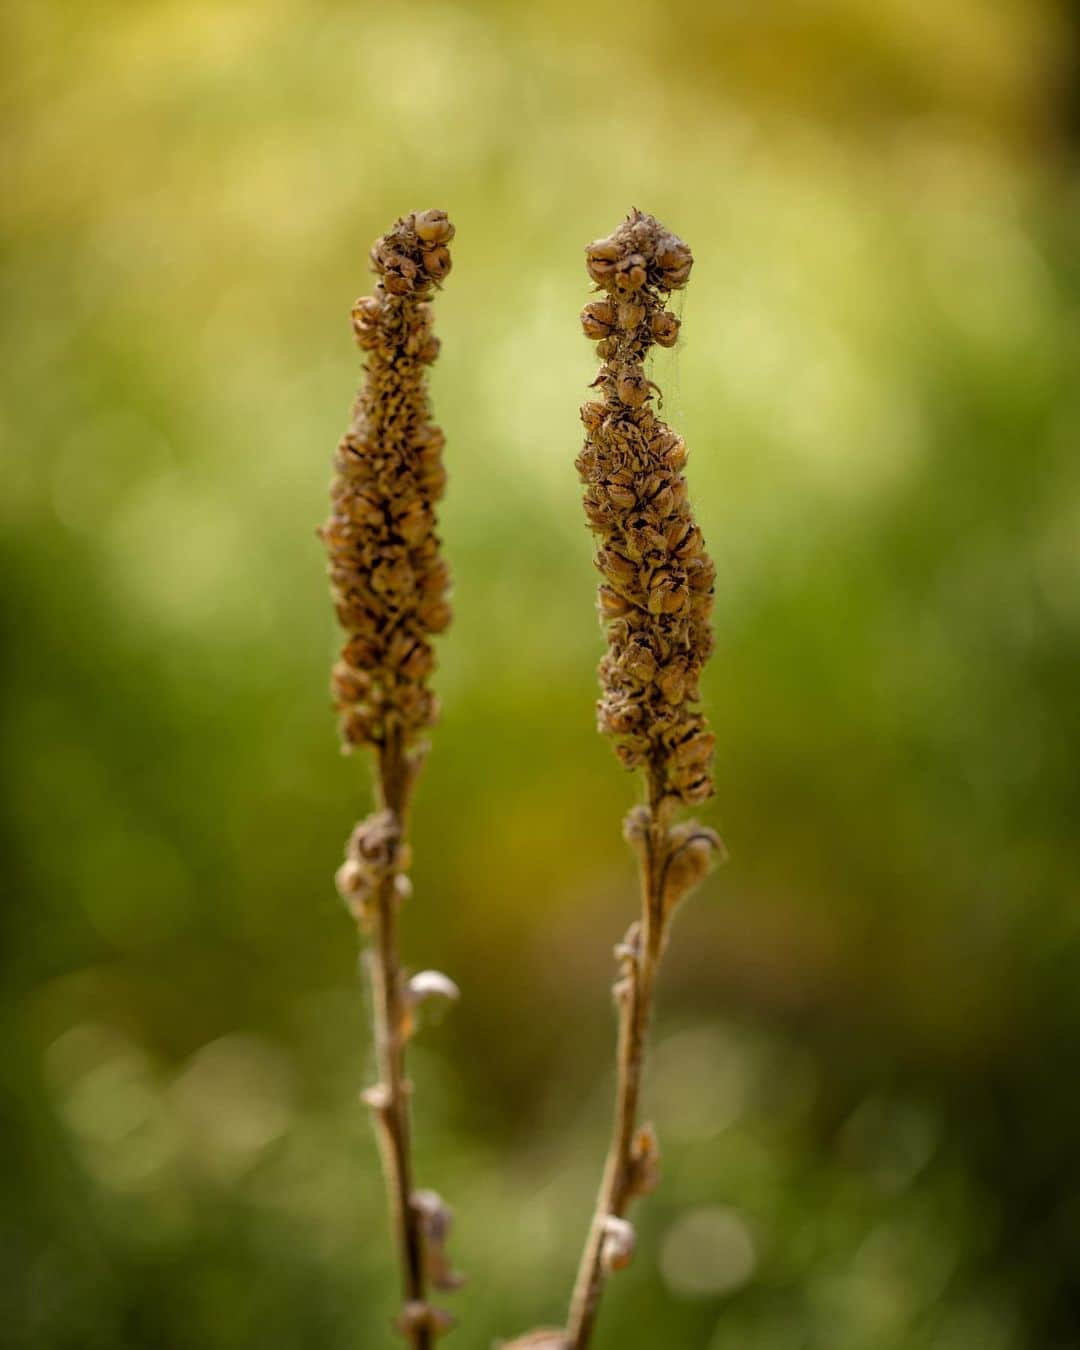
[[392, 1109], [635, 1000]]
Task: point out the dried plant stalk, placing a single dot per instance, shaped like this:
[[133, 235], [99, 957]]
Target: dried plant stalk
[[389, 585], [655, 601]]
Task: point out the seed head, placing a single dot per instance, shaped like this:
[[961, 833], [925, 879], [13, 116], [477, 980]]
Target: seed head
[[388, 582], [656, 588]]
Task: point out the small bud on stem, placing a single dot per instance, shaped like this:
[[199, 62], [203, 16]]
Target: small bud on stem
[[620, 1241]]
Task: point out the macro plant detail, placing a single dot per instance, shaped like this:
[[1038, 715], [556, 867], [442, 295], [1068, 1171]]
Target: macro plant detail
[[655, 599], [855, 1064], [389, 583]]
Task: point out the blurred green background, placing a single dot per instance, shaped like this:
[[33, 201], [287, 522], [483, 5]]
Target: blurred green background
[[866, 1073]]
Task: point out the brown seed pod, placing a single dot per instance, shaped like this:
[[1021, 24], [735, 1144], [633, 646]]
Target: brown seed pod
[[592, 414], [620, 496], [365, 320], [432, 227], [674, 260], [630, 273], [665, 328], [349, 685], [600, 259], [437, 262], [633, 387], [612, 604], [598, 319]]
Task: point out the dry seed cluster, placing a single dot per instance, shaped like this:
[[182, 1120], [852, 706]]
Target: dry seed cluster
[[388, 579], [657, 589]]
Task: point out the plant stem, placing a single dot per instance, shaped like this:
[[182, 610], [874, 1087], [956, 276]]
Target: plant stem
[[634, 994], [392, 1110]]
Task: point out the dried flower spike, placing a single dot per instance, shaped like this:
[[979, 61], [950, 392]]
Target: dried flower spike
[[655, 600], [388, 579], [656, 595], [389, 584]]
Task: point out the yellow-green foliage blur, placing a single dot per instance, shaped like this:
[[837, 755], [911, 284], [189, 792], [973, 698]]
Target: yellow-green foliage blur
[[864, 1078]]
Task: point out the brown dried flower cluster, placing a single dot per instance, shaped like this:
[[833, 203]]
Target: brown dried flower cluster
[[388, 579], [656, 595]]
